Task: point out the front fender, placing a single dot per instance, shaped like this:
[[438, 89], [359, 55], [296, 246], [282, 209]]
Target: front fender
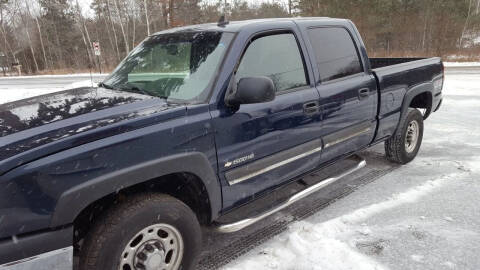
[[74, 200], [50, 191]]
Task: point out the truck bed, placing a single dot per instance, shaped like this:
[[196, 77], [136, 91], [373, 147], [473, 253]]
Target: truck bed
[[405, 77], [383, 62]]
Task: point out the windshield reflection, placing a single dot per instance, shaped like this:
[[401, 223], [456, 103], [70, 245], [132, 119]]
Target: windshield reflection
[[172, 66]]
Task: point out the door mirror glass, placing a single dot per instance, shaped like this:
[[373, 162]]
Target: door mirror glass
[[251, 90]]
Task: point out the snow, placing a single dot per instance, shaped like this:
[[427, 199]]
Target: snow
[[52, 76], [82, 129], [26, 112], [461, 64], [86, 83], [328, 245], [77, 106], [17, 93], [421, 216], [417, 258]]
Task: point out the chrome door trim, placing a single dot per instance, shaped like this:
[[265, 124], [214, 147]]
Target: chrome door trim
[[236, 226], [268, 163], [274, 166], [348, 137]]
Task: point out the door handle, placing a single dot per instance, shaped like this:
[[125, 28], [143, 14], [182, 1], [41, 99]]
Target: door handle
[[363, 93], [310, 108]]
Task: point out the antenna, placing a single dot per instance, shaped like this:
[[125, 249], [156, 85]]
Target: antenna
[[222, 22], [223, 19]]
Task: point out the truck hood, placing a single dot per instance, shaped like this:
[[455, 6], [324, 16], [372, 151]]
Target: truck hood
[[29, 127]]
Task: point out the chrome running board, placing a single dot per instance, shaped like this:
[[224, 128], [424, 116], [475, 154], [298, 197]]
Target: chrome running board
[[236, 226]]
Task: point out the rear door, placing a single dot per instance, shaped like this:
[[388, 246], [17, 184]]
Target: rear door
[[262, 145], [348, 94]]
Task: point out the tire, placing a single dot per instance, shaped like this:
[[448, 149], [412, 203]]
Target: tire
[[152, 216], [397, 148]]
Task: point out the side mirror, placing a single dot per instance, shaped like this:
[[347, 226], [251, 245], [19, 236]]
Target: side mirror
[[251, 90]]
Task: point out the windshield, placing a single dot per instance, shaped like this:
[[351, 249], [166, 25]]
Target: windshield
[[172, 66]]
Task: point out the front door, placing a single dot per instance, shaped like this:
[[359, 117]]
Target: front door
[[260, 146]]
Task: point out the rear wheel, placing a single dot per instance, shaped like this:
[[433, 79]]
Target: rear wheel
[[403, 146], [146, 232]]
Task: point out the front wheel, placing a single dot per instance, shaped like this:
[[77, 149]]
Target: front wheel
[[403, 146], [145, 232]]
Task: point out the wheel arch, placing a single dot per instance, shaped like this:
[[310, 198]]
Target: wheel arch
[[177, 175], [419, 96]]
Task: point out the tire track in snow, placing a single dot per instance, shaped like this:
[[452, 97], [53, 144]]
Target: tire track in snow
[[329, 245], [223, 254]]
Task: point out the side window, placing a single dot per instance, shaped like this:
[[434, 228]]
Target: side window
[[335, 53], [277, 57]]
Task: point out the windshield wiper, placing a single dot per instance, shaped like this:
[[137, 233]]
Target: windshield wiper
[[104, 85], [131, 87], [128, 87]]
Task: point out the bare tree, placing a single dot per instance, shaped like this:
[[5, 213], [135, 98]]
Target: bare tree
[[25, 19], [85, 36], [113, 30], [60, 35], [465, 24], [127, 49], [39, 34], [146, 17]]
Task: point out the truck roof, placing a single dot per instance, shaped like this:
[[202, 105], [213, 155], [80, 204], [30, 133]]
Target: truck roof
[[237, 26]]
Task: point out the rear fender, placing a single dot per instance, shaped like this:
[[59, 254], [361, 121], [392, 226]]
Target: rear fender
[[412, 93]]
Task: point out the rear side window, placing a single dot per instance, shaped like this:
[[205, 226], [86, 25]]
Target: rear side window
[[335, 53], [277, 57]]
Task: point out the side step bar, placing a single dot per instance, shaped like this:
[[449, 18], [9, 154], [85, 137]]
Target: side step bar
[[236, 226]]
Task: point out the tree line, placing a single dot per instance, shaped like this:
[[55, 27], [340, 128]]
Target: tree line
[[48, 36]]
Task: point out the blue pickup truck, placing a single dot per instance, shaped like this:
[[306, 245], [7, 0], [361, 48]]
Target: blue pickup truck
[[196, 127]]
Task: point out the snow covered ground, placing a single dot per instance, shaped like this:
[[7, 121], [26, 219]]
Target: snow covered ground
[[76, 75], [14, 88], [461, 64], [21, 93], [424, 215]]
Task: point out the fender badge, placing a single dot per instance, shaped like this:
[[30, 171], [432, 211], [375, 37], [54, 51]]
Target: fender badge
[[239, 160]]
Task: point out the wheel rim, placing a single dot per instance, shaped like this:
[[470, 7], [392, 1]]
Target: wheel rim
[[411, 138], [156, 247]]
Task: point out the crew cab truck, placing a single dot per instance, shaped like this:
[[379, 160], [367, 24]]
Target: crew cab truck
[[194, 128]]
